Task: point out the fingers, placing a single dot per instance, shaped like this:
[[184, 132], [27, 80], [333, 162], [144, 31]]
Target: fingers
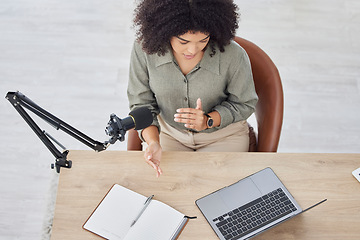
[[198, 104], [191, 119], [188, 110], [194, 122], [155, 165], [186, 116], [192, 110], [154, 162]]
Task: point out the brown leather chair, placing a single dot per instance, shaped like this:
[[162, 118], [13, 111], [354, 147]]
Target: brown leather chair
[[269, 109]]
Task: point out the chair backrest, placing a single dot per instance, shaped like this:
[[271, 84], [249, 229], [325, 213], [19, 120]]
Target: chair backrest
[[269, 109]]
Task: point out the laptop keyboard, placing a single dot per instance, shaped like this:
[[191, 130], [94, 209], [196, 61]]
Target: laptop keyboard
[[254, 215]]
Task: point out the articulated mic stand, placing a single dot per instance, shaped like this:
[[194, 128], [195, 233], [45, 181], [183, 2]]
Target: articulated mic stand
[[114, 129]]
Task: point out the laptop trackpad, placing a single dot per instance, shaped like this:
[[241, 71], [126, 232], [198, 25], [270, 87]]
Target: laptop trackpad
[[239, 193]]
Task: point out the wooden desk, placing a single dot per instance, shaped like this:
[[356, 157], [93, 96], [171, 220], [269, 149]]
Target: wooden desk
[[189, 176]]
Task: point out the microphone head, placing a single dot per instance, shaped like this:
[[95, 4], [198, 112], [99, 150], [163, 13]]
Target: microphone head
[[142, 117]]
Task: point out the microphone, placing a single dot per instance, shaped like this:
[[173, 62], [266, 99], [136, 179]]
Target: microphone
[[139, 118]]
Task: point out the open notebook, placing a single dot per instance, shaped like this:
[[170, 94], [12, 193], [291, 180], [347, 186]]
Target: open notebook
[[114, 216]]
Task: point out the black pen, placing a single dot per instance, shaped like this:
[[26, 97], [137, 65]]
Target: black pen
[[147, 202]]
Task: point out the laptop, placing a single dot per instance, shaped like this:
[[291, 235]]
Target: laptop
[[249, 206]]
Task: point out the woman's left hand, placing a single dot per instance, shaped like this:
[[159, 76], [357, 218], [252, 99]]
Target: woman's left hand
[[193, 118]]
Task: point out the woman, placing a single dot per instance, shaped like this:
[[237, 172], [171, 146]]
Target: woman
[[196, 81]]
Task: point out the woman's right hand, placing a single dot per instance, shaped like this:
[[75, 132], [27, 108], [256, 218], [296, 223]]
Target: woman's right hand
[[152, 156]]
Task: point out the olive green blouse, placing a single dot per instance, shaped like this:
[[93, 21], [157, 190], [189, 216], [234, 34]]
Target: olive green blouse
[[223, 82]]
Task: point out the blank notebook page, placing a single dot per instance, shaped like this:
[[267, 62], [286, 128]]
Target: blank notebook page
[[114, 215]]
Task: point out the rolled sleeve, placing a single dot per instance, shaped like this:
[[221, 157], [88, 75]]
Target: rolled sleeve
[[138, 91], [241, 95]]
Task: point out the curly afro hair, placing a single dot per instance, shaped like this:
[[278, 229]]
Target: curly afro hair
[[157, 21]]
